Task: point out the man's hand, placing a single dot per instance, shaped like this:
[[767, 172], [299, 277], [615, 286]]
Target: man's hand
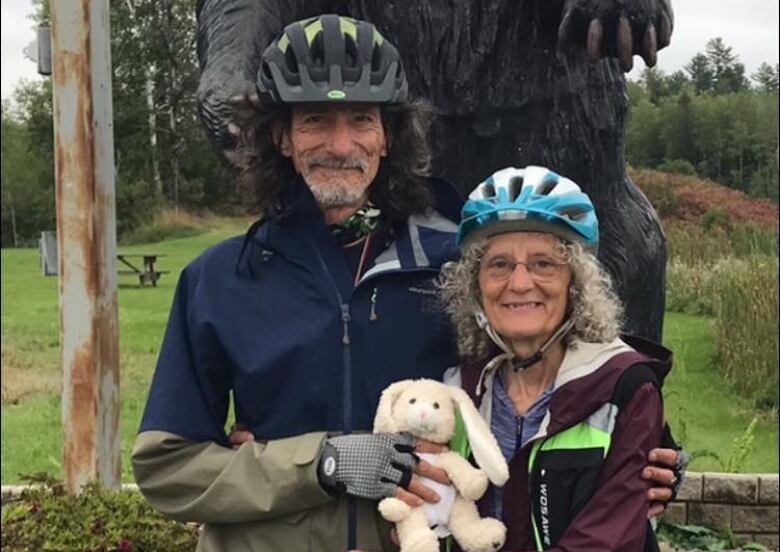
[[417, 493], [414, 494], [666, 471], [240, 434], [367, 465]]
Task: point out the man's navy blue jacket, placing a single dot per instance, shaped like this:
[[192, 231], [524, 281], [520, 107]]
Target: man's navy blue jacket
[[281, 325]]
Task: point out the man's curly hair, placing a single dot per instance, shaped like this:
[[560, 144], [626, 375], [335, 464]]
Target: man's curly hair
[[399, 189]]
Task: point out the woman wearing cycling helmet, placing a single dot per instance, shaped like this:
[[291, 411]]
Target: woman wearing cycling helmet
[[575, 407]]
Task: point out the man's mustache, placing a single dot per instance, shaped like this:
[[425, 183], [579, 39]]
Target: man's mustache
[[330, 162]]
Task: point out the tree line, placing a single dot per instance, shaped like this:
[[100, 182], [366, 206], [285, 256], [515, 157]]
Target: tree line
[[162, 154], [709, 120]]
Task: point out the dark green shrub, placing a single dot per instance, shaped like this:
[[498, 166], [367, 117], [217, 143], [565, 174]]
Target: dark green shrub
[[717, 217], [663, 196], [677, 166], [137, 203], [153, 233], [167, 224], [45, 517]]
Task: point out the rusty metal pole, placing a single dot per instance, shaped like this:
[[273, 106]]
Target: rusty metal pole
[[86, 240]]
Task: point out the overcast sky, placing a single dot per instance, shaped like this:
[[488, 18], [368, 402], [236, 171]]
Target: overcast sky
[[750, 27]]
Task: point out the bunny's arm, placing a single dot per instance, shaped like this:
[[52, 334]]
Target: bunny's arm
[[470, 482]]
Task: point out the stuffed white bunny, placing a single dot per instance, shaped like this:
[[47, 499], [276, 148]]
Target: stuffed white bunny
[[426, 409]]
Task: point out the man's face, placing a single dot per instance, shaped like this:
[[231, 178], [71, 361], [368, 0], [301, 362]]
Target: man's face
[[337, 149]]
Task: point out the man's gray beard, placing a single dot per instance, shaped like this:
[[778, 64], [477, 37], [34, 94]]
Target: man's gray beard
[[337, 193]]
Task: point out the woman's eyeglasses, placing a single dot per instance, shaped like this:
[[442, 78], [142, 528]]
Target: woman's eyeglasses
[[539, 268]]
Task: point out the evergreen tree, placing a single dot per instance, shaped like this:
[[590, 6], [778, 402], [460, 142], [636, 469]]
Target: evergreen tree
[[702, 74], [728, 73], [654, 82], [677, 83], [766, 77]]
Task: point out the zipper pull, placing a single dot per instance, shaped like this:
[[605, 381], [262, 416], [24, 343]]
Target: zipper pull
[[372, 315], [345, 318]]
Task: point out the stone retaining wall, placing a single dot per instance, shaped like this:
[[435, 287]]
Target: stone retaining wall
[[747, 504]]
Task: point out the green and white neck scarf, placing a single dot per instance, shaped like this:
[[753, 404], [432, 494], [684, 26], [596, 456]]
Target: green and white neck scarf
[[362, 223]]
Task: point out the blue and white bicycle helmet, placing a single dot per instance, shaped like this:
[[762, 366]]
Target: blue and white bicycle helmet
[[533, 199]]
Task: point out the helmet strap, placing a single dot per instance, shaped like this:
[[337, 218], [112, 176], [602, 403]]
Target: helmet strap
[[562, 330], [521, 364], [483, 323]]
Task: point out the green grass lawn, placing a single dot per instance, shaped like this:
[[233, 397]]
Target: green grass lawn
[[705, 415], [31, 381], [701, 408]]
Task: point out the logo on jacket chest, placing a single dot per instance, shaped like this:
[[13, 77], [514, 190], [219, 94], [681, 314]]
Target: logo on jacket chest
[[422, 290]]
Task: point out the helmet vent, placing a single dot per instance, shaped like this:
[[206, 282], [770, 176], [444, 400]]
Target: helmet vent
[[290, 61], [266, 71], [488, 190], [573, 214], [350, 52], [547, 186], [376, 59], [317, 51], [515, 185]]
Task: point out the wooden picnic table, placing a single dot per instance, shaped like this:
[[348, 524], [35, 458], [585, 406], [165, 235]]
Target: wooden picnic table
[[147, 273]]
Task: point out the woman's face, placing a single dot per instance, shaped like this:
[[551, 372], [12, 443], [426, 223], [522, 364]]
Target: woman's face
[[525, 303]]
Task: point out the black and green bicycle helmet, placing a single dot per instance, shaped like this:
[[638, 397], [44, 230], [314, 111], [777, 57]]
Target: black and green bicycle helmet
[[332, 58]]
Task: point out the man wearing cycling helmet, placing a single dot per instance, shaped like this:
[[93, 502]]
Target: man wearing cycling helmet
[[575, 407], [326, 300]]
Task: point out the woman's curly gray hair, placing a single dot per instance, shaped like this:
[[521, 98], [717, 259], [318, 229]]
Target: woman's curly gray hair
[[595, 308]]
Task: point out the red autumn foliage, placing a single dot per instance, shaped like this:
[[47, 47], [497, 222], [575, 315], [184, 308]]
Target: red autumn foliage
[[682, 198]]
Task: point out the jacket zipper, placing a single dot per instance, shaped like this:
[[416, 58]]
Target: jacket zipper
[[346, 399], [346, 365]]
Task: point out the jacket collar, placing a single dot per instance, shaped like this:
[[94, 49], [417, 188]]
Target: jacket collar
[[582, 359], [585, 381], [422, 242], [590, 372]]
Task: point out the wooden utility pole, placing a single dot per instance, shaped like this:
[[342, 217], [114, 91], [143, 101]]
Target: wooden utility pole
[[86, 241]]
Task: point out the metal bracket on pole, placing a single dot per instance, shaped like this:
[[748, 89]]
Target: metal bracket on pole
[[44, 50], [39, 50]]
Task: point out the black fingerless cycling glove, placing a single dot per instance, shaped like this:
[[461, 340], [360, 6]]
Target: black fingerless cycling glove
[[367, 465]]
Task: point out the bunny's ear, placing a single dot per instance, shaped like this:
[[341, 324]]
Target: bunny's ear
[[483, 444], [384, 422]]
